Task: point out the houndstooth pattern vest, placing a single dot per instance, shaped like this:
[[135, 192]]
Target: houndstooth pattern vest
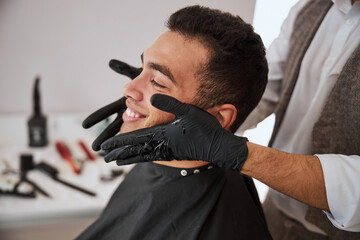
[[337, 130]]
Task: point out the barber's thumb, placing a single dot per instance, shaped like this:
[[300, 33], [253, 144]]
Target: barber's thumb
[[169, 104]]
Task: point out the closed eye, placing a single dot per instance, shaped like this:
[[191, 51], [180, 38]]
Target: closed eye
[[155, 84]]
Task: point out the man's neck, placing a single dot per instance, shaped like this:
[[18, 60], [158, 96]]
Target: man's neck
[[182, 164]]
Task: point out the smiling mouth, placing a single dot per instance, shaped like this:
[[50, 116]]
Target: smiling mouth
[[132, 115]]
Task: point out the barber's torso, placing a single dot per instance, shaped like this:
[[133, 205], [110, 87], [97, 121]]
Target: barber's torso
[[335, 40]]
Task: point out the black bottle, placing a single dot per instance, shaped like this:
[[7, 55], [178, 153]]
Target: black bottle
[[37, 122]]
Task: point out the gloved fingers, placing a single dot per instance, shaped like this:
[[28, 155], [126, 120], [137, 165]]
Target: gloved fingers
[[117, 153], [169, 104], [108, 132], [172, 105], [121, 153], [135, 159], [104, 112], [135, 138], [124, 68]]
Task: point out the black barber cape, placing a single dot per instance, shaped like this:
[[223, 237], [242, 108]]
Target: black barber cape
[[159, 202]]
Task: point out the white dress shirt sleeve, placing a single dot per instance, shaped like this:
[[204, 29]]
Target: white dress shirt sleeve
[[342, 182]]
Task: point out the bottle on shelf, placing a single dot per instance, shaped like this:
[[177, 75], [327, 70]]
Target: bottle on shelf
[[37, 122]]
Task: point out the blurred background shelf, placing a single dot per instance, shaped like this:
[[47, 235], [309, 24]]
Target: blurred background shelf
[[67, 209]]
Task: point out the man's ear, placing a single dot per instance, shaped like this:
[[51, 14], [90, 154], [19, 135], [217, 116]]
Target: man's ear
[[225, 114]]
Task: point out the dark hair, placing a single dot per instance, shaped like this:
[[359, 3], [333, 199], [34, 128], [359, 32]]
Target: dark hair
[[236, 72]]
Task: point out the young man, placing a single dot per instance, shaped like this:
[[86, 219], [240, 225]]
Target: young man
[[214, 61], [314, 162]]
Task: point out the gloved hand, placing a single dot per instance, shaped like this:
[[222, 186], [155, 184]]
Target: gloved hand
[[193, 135], [116, 107]]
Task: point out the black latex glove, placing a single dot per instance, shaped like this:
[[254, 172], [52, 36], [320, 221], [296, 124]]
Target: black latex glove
[[193, 135], [116, 107]]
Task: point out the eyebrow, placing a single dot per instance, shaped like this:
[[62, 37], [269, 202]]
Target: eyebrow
[[161, 68]]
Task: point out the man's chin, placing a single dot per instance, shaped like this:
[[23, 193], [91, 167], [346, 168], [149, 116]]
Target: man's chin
[[125, 128], [132, 126]]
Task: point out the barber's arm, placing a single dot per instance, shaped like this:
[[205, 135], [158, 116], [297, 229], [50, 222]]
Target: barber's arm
[[327, 181], [298, 176]]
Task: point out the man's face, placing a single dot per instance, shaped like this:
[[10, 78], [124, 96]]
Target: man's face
[[169, 67]]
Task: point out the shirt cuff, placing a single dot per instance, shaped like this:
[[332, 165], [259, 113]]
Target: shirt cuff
[[342, 181]]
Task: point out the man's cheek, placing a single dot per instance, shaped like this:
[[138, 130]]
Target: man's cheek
[[159, 117]]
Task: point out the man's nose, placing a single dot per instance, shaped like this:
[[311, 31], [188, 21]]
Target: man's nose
[[134, 90]]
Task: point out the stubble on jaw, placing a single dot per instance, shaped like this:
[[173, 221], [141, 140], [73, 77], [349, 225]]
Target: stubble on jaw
[[161, 118]]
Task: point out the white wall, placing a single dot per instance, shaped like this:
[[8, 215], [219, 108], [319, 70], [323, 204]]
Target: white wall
[[269, 16], [70, 42]]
